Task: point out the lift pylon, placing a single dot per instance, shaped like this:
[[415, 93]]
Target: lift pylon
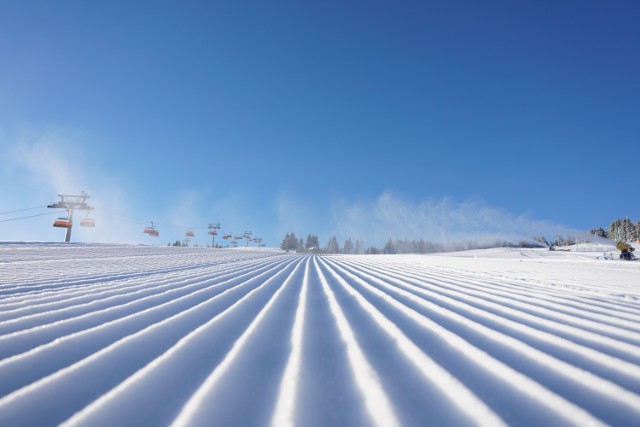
[[213, 231], [247, 236], [71, 203]]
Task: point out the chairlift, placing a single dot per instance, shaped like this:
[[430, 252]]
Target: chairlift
[[87, 222], [151, 230], [62, 223], [189, 233], [227, 236], [213, 233]]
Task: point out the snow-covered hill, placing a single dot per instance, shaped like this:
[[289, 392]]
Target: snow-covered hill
[[131, 335]]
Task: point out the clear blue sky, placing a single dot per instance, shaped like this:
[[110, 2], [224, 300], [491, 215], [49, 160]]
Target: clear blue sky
[[270, 115]]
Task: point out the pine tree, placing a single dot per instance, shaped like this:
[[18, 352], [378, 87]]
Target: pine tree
[[332, 246], [293, 241], [348, 246], [312, 242], [615, 230], [285, 243], [290, 242], [390, 247], [629, 230]]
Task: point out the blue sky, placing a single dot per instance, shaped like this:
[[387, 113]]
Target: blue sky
[[283, 115]]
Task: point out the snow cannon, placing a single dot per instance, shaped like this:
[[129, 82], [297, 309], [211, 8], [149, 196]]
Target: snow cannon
[[626, 251]]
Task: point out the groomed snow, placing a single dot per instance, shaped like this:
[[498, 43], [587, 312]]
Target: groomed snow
[[133, 335]]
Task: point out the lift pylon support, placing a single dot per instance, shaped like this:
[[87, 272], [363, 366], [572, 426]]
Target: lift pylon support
[[213, 231], [71, 203]]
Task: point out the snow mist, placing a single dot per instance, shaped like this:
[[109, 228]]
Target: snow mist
[[442, 221]]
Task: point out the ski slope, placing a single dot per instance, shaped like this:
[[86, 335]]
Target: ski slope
[[107, 335]]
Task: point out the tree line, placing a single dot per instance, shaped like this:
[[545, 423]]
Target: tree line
[[393, 246], [620, 230], [312, 244]]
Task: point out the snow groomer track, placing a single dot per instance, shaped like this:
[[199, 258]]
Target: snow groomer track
[[128, 335]]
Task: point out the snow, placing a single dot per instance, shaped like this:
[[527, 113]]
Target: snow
[[127, 335]]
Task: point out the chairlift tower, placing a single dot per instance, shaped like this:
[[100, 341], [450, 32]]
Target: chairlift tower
[[213, 230], [247, 237], [71, 203]]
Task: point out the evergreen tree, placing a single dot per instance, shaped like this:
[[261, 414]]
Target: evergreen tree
[[332, 246], [348, 246], [390, 247], [293, 241], [312, 243], [628, 230], [285, 243], [359, 247], [615, 230], [290, 242]]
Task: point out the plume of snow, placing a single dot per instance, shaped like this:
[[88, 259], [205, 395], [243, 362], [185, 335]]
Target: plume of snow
[[440, 221]]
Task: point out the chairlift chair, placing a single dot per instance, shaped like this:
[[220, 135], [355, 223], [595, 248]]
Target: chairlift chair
[[151, 230], [62, 223], [87, 222]]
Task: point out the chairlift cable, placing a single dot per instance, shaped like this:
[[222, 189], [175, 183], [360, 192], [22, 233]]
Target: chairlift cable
[[146, 220], [119, 214], [30, 216], [102, 214], [22, 210]]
